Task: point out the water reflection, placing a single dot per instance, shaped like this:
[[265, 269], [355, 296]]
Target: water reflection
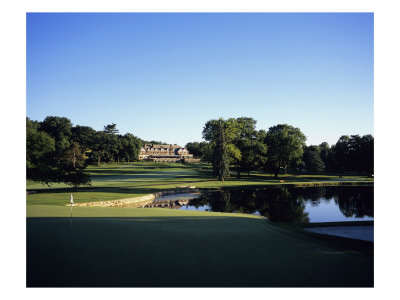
[[311, 204]]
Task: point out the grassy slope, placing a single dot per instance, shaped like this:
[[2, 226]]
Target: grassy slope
[[118, 181], [162, 247]]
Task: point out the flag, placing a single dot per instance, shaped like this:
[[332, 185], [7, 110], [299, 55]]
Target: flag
[[72, 199]]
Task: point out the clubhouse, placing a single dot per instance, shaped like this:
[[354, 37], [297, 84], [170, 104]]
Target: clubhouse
[[165, 153]]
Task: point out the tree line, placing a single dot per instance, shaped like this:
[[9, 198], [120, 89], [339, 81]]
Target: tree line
[[57, 151], [236, 142]]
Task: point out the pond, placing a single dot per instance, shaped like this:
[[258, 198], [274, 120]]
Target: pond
[[299, 205]]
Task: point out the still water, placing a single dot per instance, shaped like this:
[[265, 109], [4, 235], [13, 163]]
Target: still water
[[309, 204]]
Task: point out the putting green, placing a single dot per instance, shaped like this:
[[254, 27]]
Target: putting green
[[155, 247], [44, 211]]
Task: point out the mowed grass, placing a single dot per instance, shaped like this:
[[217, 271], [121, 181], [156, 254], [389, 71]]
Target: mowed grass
[[155, 247], [127, 180]]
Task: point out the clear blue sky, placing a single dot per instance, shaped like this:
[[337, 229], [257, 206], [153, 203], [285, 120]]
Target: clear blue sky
[[163, 76]]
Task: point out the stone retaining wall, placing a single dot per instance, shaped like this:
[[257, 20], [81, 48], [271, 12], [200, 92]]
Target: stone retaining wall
[[134, 202]]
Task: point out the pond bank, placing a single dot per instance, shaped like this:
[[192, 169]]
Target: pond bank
[[135, 202]]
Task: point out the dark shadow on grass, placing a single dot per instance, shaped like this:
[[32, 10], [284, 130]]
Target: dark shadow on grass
[[183, 252]]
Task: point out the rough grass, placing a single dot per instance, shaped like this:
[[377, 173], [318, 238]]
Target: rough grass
[[120, 247], [127, 180]]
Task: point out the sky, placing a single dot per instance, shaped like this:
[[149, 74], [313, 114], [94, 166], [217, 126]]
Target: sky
[[162, 76]]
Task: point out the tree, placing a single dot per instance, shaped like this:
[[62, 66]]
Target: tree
[[100, 146], [244, 130], [253, 152], [212, 127], [45, 162], [84, 136], [220, 155], [71, 166], [212, 132], [74, 156], [341, 153], [313, 160], [326, 155], [367, 153], [40, 155], [361, 153], [59, 128], [244, 144], [31, 124], [195, 149], [354, 153], [112, 145], [76, 177], [285, 145], [111, 129], [130, 147], [206, 150]]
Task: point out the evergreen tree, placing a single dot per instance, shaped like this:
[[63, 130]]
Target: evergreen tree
[[111, 129], [72, 165], [313, 160]]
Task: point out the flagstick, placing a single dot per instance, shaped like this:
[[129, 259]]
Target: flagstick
[[70, 223]]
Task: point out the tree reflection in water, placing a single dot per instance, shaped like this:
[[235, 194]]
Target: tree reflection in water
[[288, 204], [283, 205], [358, 203]]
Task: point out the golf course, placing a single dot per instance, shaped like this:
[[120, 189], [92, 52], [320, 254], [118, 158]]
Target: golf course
[[157, 247], [126, 180]]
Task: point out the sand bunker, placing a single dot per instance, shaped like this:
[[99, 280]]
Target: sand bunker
[[365, 233]]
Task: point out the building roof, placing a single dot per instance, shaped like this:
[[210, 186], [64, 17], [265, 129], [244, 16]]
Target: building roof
[[158, 146]]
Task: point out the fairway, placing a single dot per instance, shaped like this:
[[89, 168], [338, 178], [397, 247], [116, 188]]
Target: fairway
[[127, 180], [119, 247]]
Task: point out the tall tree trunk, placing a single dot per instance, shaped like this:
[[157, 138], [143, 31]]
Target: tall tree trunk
[[276, 172], [98, 160]]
